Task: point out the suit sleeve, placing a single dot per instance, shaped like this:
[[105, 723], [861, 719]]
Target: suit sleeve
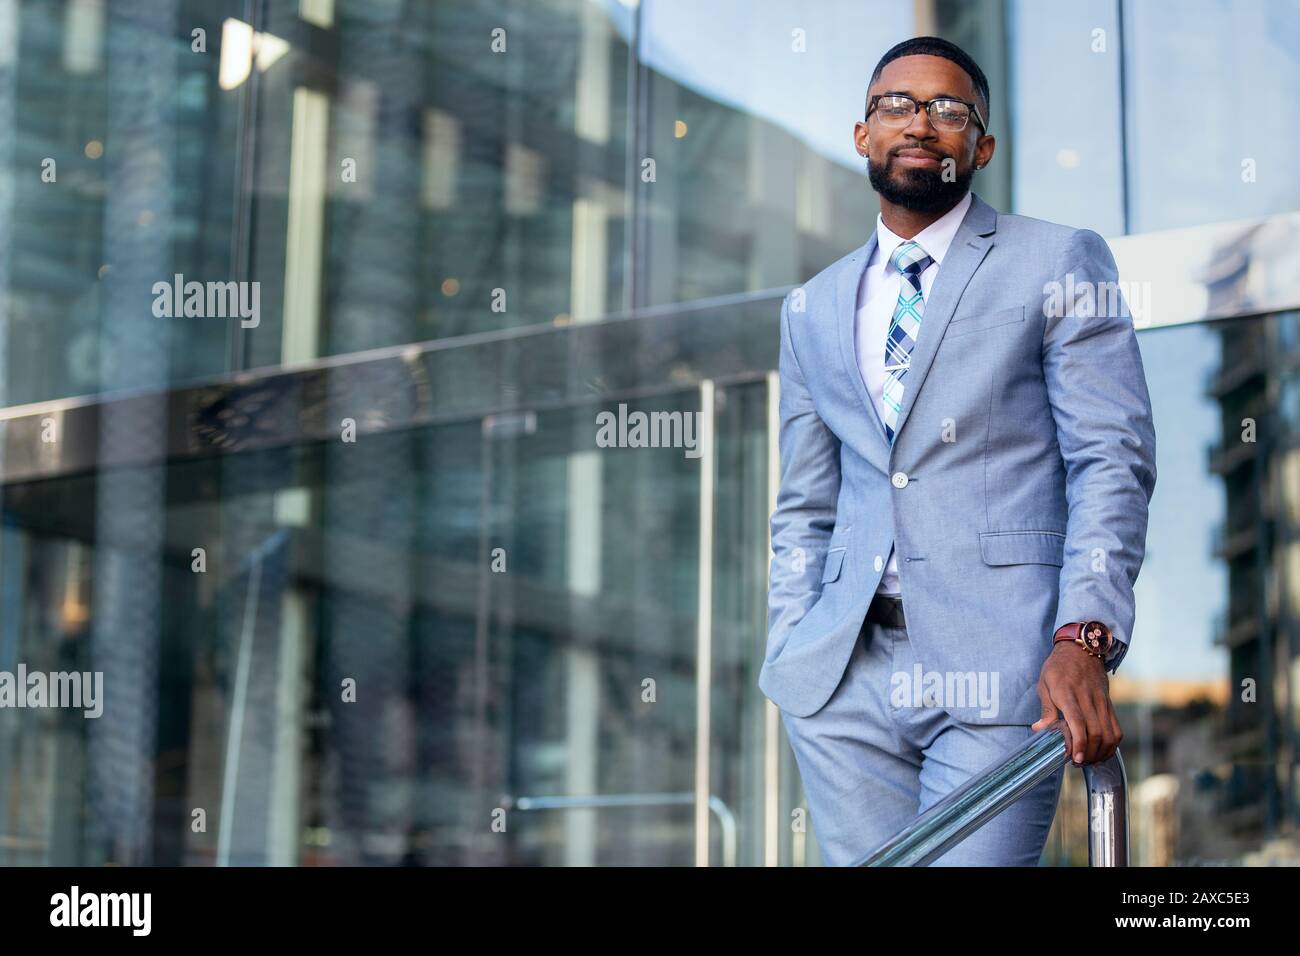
[[1098, 394], [806, 497]]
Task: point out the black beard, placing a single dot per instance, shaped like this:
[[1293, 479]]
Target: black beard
[[920, 189]]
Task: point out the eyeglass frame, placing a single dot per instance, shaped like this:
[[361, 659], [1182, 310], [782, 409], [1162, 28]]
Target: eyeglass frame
[[871, 105]]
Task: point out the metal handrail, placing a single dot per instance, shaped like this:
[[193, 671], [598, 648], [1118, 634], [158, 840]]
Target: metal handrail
[[991, 791]]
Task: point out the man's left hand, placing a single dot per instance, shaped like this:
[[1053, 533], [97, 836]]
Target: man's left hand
[[1074, 682]]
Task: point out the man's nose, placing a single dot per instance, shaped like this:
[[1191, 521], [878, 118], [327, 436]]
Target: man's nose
[[920, 126]]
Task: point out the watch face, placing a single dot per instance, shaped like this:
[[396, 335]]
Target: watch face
[[1097, 636]]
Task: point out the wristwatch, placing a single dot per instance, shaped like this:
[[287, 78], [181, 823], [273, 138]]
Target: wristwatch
[[1093, 636]]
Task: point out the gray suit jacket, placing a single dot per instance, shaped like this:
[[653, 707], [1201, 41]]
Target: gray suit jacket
[[1016, 489]]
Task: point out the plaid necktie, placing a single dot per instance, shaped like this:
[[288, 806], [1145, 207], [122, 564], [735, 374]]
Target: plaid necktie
[[910, 260]]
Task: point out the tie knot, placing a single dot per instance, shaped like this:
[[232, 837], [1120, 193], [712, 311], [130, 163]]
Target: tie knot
[[909, 257]]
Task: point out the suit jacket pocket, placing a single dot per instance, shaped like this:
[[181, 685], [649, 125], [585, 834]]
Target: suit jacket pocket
[[834, 562], [961, 325], [1023, 547]]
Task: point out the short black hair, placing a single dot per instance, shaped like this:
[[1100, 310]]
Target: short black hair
[[937, 46]]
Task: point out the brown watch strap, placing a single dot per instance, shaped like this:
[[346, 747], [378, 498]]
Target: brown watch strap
[[1068, 632]]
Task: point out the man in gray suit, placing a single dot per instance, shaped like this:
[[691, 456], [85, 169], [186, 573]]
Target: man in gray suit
[[967, 457]]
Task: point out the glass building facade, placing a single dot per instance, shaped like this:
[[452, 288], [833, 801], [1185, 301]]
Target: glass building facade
[[365, 582]]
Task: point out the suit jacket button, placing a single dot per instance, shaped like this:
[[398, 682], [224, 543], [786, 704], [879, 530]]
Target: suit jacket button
[[899, 479], [880, 562]]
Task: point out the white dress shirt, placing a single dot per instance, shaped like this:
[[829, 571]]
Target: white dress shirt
[[877, 299]]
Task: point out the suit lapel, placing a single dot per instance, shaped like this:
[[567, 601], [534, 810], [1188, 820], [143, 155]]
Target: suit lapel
[[969, 247], [846, 306]]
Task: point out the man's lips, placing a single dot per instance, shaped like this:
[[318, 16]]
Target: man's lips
[[918, 157]]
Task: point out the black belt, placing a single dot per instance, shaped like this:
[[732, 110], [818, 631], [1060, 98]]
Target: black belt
[[886, 611]]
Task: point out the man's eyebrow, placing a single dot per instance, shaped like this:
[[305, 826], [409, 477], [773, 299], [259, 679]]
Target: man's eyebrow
[[937, 96]]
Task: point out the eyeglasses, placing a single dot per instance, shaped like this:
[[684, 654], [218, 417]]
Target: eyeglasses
[[896, 111]]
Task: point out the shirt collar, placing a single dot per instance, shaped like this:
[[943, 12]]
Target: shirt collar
[[934, 238]]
